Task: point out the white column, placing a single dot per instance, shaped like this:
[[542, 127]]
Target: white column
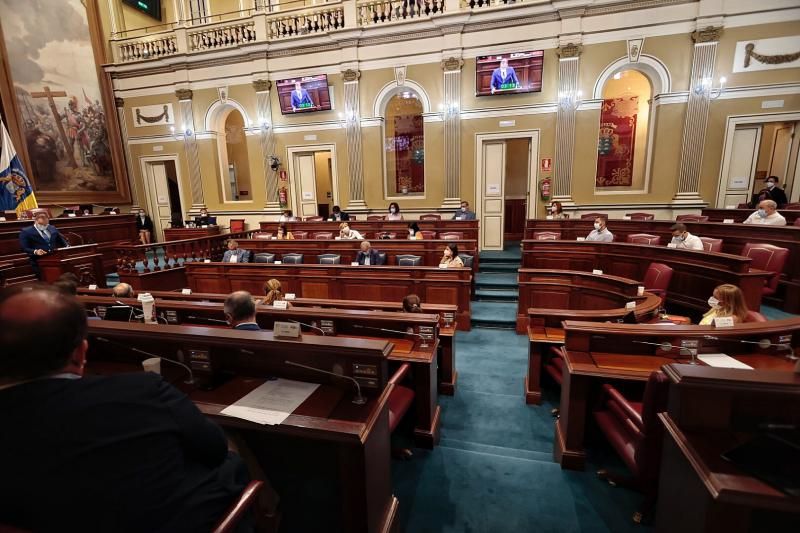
[[115, 17], [119, 103], [568, 70], [267, 140], [190, 147], [452, 132], [352, 118]]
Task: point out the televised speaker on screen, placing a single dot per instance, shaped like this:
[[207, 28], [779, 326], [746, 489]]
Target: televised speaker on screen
[[303, 95], [519, 72]]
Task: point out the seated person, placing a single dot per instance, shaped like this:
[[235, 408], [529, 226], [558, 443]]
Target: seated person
[[600, 232], [727, 300], [287, 216], [274, 292], [86, 435], [240, 311], [464, 213], [65, 286], [681, 238], [771, 191], [338, 215], [556, 212], [144, 225], [412, 304], [450, 256], [413, 231], [394, 212], [284, 234], [234, 254], [368, 255], [346, 233], [767, 215], [203, 219], [123, 290]]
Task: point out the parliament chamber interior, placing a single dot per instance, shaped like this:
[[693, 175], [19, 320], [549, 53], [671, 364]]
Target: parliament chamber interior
[[407, 266]]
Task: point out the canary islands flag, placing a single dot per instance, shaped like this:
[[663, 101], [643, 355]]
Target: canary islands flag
[[15, 187]]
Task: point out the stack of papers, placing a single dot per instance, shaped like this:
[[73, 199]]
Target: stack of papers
[[720, 360], [272, 402]]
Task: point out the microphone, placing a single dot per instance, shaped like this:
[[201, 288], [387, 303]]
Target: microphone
[[423, 338], [214, 320], [308, 326], [763, 344], [358, 400], [190, 381], [668, 347]]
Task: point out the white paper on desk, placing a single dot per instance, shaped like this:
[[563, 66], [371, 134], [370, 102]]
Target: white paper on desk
[[720, 360], [272, 402]]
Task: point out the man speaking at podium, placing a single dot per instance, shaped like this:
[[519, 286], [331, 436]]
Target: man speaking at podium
[[40, 239], [504, 77]]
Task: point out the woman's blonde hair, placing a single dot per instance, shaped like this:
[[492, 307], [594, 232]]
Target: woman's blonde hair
[[731, 302], [273, 290], [344, 225]]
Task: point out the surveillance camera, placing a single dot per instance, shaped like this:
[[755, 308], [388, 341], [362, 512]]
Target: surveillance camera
[[274, 163]]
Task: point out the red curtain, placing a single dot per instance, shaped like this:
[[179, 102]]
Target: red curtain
[[616, 142]]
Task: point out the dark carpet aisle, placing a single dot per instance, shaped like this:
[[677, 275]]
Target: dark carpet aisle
[[493, 471]]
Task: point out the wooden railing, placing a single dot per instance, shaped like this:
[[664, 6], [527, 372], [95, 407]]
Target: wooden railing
[[305, 22], [166, 255], [146, 48], [222, 35], [373, 12]]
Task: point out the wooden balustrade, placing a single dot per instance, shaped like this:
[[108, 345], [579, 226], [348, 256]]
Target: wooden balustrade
[[148, 48], [383, 11], [222, 36], [306, 23]]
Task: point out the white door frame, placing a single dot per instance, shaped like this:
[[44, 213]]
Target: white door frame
[[727, 143], [534, 138], [291, 151], [146, 160]]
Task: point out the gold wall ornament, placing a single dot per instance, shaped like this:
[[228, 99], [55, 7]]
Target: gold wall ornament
[[183, 94], [776, 59], [707, 35], [262, 85], [351, 75], [452, 63], [164, 116], [569, 50]]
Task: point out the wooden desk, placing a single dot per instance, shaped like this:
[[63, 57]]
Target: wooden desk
[[84, 261], [369, 228], [324, 437], [340, 282], [345, 324], [700, 491], [179, 234], [599, 353], [695, 273], [734, 237], [740, 215]]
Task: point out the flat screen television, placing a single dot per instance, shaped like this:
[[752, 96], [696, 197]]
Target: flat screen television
[[149, 7], [518, 72], [304, 94]]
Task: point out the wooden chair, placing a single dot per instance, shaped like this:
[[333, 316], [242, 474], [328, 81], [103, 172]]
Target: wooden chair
[[657, 278], [325, 235], [237, 510], [430, 216], [592, 216], [691, 218], [547, 235], [450, 235], [641, 216], [237, 225], [314, 219], [643, 238], [428, 235], [711, 244], [794, 206], [767, 257], [376, 217], [300, 234]]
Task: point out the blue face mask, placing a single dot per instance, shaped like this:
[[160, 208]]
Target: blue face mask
[[762, 213]]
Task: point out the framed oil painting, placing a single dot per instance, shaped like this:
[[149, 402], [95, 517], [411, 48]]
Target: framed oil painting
[[58, 101]]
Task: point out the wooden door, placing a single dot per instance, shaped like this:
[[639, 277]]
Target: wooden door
[[305, 182], [741, 168], [493, 205]]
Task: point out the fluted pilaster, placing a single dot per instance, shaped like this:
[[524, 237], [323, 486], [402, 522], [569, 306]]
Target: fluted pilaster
[[190, 147], [568, 69], [452, 131], [267, 141], [352, 118]]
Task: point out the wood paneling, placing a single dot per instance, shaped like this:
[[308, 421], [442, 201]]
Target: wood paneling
[[515, 215]]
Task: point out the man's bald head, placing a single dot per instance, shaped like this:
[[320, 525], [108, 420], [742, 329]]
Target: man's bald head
[[122, 290], [41, 330], [240, 307]]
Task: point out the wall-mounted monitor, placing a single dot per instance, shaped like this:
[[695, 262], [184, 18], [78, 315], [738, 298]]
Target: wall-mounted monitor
[[149, 7], [518, 72], [304, 94]]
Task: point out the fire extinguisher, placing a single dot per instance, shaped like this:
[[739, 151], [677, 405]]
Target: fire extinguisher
[[544, 189]]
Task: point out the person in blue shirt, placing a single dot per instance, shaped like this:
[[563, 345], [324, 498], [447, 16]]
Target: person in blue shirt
[[300, 98], [504, 77]]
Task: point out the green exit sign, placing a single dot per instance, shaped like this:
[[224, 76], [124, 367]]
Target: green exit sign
[[149, 7]]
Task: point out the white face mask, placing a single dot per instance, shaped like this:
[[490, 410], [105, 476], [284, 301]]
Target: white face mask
[[554, 210], [392, 210], [762, 213], [40, 227], [463, 209], [713, 302], [597, 226], [411, 232], [770, 184]]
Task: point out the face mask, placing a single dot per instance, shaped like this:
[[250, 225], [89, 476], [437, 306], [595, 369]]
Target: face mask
[[597, 226], [463, 209], [679, 238], [554, 210], [770, 184], [713, 302], [762, 213], [411, 232], [40, 227], [392, 210]]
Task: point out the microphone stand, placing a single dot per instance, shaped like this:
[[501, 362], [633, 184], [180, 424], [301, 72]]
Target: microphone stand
[[668, 347], [308, 326], [763, 344], [214, 320], [358, 400], [423, 338], [190, 381]]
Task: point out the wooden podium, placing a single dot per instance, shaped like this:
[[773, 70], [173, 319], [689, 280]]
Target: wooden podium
[[83, 260]]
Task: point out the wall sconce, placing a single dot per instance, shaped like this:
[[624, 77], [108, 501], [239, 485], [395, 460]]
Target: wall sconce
[[449, 109], [349, 117], [706, 87], [263, 124], [570, 100], [179, 136]]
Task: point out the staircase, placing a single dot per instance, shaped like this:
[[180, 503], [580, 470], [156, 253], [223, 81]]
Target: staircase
[[496, 288]]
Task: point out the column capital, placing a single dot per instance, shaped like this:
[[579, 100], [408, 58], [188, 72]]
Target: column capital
[[707, 34], [262, 86], [452, 64], [569, 50], [119, 102], [351, 75], [184, 94]]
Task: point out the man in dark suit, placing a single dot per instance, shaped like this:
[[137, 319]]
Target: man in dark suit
[[204, 219], [124, 453], [338, 215], [771, 191], [504, 77], [240, 311], [40, 239], [144, 225], [368, 255]]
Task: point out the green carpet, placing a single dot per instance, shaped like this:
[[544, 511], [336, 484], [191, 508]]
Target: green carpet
[[493, 471]]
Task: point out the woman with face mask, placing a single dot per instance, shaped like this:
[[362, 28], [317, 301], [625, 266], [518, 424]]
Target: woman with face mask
[[727, 300], [450, 257], [394, 212], [346, 233], [144, 226], [413, 231], [556, 212]]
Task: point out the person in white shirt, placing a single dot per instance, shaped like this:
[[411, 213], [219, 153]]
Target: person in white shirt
[[346, 233], [681, 238], [600, 233], [287, 216], [394, 212], [234, 254], [767, 215]]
